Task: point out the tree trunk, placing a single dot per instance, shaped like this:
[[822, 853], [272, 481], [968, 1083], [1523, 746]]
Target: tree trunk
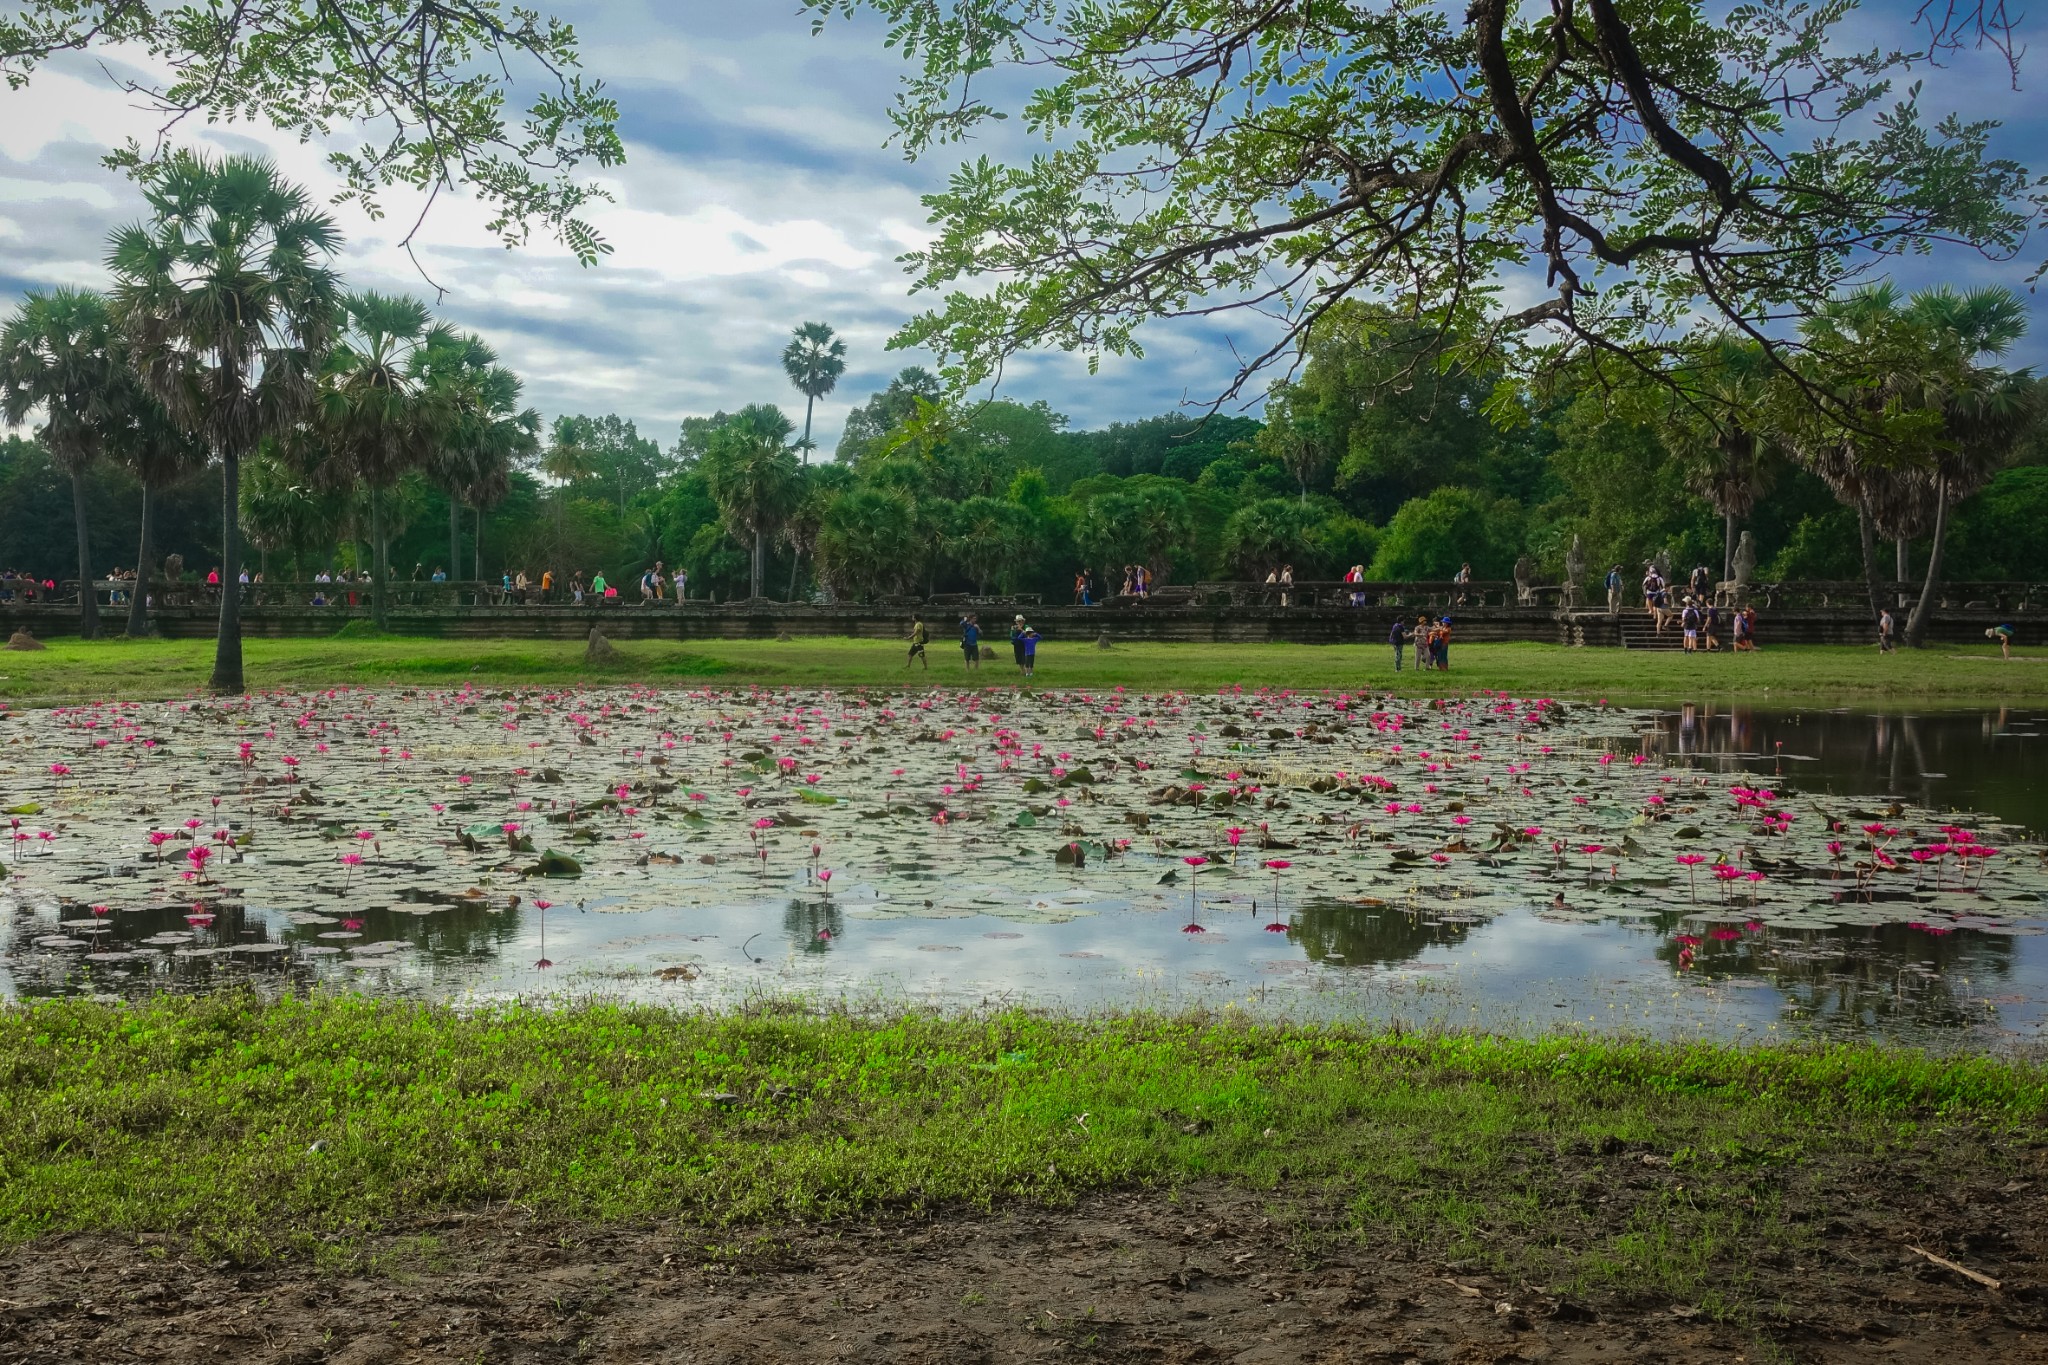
[[227, 644], [138, 601], [756, 588], [796, 561], [1727, 547], [1923, 611], [88, 595], [810, 401], [454, 537], [479, 550], [1902, 555], [1868, 534], [380, 605]]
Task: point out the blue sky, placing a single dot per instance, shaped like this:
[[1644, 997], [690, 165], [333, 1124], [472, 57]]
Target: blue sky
[[758, 194]]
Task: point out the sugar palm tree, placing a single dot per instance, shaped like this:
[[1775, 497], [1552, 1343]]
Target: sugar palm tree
[[374, 421], [813, 360], [480, 432], [751, 473], [228, 305], [60, 353], [1933, 420], [1715, 430], [158, 452]]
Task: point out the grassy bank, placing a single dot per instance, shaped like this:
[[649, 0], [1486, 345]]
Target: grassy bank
[[71, 670], [1678, 1170]]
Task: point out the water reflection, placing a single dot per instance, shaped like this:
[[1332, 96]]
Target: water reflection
[[1964, 760], [1639, 948]]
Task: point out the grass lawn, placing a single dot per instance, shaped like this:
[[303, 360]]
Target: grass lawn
[[72, 670], [1588, 1165]]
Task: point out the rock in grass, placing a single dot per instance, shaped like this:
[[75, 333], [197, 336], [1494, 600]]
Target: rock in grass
[[599, 650], [22, 640], [1102, 641]]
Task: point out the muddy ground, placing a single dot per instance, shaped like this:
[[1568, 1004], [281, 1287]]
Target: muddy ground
[[1210, 1274]]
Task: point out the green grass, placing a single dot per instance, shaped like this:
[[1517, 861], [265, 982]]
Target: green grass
[[262, 1129], [72, 670]]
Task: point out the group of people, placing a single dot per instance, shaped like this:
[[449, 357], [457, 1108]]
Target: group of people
[[25, 587], [1702, 622], [656, 584], [1432, 641], [1137, 582], [1023, 643]]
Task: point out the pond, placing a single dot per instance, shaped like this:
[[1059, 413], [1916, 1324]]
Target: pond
[[1721, 872]]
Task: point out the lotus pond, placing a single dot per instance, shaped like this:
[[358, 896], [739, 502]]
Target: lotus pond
[[1486, 861]]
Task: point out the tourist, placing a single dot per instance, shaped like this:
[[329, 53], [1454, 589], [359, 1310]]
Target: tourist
[[1030, 652], [505, 588], [917, 643], [2002, 634], [660, 578], [1286, 585], [1398, 637], [576, 587], [1081, 588], [1355, 576], [1088, 587], [1744, 624], [440, 574], [547, 585], [649, 590], [1689, 624], [600, 589], [1272, 586], [682, 584], [1130, 587], [1614, 590], [1710, 626], [970, 641], [1440, 645], [1702, 583], [1886, 630], [1144, 580], [1463, 579], [1017, 629]]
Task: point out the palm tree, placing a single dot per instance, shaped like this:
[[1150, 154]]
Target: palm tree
[[869, 543], [60, 352], [480, 432], [990, 538], [280, 508], [1932, 422], [228, 306], [1984, 409], [813, 360], [1715, 432], [750, 473], [373, 423], [159, 452]]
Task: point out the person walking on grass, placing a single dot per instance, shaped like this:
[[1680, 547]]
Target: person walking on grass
[[1397, 637], [970, 641], [917, 644], [1017, 629], [1887, 631]]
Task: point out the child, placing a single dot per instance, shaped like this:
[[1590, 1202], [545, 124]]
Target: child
[[917, 641], [1030, 651], [970, 641]]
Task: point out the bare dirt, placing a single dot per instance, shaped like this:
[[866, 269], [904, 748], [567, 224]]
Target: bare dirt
[[1210, 1274]]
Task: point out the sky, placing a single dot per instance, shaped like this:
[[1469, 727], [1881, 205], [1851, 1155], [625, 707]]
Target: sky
[[759, 193]]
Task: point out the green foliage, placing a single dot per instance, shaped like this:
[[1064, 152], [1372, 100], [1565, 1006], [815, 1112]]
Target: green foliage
[[870, 543], [1262, 536], [435, 76], [1429, 538], [1145, 525]]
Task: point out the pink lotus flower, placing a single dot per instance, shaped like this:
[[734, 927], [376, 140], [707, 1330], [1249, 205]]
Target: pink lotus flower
[[59, 770]]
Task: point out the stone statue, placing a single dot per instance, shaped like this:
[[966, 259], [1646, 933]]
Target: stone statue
[[1745, 561], [174, 567], [1574, 572], [1525, 569]]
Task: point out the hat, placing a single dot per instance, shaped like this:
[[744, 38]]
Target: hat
[[1020, 620]]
